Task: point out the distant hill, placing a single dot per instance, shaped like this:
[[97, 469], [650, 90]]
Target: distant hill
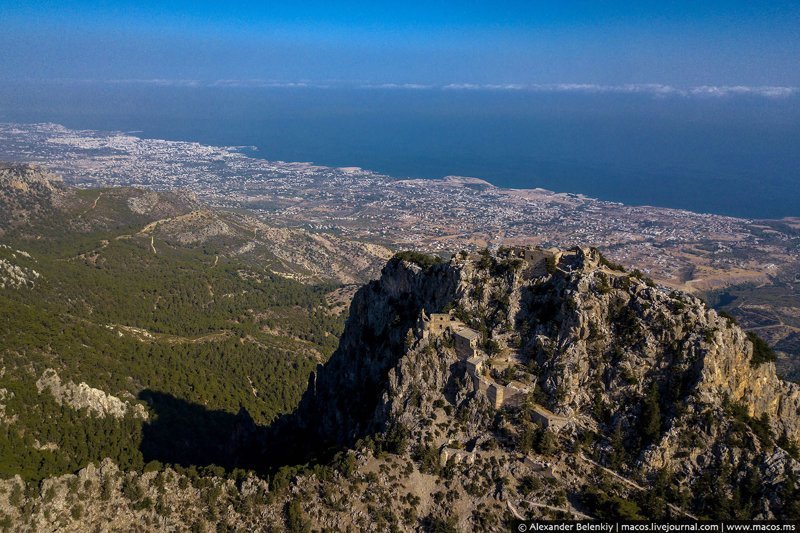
[[37, 201]]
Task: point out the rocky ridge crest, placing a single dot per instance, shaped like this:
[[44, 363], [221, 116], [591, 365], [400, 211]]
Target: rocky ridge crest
[[647, 373]]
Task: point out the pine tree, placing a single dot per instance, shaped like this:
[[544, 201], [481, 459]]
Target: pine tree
[[618, 453], [651, 415]]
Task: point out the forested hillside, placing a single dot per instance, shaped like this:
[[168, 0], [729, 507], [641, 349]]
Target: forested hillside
[[98, 317]]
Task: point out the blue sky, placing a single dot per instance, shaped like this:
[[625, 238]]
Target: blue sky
[[682, 44]]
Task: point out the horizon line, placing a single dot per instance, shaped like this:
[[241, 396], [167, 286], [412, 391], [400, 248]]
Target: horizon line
[[653, 89]]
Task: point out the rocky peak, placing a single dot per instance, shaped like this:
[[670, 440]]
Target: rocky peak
[[24, 176], [343, 395], [25, 191], [568, 336]]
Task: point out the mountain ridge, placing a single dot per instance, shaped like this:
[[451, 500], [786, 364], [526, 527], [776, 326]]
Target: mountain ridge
[[38, 200], [652, 378]]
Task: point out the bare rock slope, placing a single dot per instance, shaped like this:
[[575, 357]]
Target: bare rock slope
[[635, 377]]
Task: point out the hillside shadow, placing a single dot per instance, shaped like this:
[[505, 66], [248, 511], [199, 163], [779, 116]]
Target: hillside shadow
[[189, 434]]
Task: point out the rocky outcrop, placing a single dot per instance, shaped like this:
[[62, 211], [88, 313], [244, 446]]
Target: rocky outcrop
[[161, 204], [291, 252], [15, 276], [28, 178], [105, 498], [726, 373], [6, 395], [662, 414], [594, 330], [344, 396], [26, 191], [608, 351], [81, 396]]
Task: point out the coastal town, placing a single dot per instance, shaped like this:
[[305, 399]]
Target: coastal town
[[683, 249]]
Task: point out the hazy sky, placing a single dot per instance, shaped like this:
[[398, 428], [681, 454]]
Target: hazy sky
[[680, 43]]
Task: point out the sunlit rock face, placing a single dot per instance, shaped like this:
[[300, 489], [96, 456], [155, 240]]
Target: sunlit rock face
[[603, 349]]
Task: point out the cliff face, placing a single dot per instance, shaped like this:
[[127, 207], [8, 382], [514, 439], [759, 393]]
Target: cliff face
[[343, 399], [651, 373]]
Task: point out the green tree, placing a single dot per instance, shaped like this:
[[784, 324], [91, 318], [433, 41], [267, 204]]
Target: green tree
[[296, 520], [651, 415], [762, 353], [618, 453]]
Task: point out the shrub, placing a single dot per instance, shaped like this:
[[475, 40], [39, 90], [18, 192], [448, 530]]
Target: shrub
[[428, 459], [547, 443], [296, 520], [610, 264], [741, 418], [15, 498], [396, 439], [789, 446], [131, 489], [727, 316], [442, 525], [528, 484], [492, 347], [651, 415], [418, 258], [602, 285], [762, 430], [76, 512], [762, 353], [611, 507], [486, 259], [152, 466]]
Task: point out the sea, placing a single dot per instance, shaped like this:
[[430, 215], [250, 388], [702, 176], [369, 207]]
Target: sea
[[736, 154]]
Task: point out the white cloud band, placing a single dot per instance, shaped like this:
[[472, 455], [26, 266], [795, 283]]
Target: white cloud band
[[655, 89]]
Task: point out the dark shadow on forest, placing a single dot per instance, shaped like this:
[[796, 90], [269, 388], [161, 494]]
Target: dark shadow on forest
[[189, 434]]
